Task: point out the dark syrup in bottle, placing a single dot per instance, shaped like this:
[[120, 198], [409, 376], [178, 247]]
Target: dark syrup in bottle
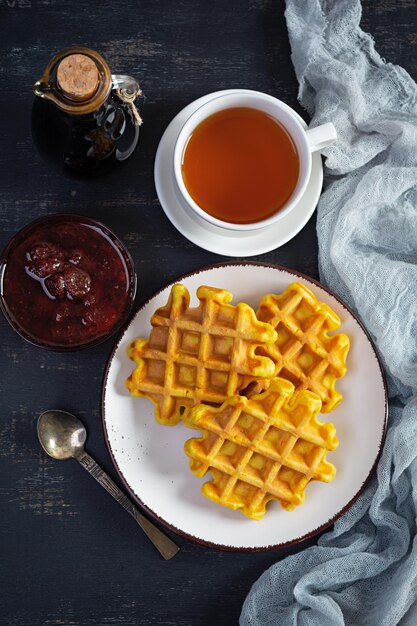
[[82, 123]]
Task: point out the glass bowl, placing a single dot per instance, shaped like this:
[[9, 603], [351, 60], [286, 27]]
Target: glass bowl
[[66, 282]]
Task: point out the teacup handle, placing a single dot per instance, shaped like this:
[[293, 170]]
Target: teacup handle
[[321, 136]]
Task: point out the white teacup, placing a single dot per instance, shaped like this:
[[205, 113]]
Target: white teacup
[[305, 140]]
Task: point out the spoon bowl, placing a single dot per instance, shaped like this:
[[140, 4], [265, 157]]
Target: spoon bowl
[[61, 434]]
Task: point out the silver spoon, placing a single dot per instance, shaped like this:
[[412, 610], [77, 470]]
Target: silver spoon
[[62, 436]]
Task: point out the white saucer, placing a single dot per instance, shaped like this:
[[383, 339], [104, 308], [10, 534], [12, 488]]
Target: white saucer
[[213, 238]]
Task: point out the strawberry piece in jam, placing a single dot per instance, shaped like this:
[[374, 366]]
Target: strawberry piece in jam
[[44, 259], [77, 282], [44, 250], [55, 286]]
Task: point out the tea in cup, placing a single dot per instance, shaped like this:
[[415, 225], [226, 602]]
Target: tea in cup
[[243, 160]]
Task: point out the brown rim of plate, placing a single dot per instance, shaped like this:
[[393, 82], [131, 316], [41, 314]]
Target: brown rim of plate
[[178, 531]]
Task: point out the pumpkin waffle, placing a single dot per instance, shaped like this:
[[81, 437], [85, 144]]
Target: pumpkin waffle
[[304, 352], [201, 354], [264, 448]]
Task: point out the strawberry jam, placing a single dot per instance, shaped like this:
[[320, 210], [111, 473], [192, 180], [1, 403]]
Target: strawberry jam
[[66, 282]]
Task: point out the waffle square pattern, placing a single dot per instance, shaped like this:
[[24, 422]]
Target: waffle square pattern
[[199, 354], [304, 352], [268, 447]]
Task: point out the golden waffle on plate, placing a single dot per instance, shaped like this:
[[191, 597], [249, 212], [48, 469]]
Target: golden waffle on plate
[[304, 352], [264, 448], [205, 353]]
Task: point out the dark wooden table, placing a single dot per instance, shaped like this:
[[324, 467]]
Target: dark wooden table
[[69, 554]]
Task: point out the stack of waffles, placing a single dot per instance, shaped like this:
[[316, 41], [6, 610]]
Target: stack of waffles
[[253, 384]]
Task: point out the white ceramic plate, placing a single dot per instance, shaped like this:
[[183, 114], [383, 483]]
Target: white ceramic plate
[[150, 459], [210, 237]]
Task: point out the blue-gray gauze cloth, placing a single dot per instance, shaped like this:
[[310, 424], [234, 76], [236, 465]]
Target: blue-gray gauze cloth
[[363, 572]]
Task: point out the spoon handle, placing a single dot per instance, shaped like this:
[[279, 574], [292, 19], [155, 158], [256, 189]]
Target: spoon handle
[[166, 547]]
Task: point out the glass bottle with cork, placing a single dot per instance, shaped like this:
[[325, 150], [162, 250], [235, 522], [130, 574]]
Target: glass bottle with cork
[[84, 118]]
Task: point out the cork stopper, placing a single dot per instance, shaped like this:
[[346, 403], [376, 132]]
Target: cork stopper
[[78, 76]]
